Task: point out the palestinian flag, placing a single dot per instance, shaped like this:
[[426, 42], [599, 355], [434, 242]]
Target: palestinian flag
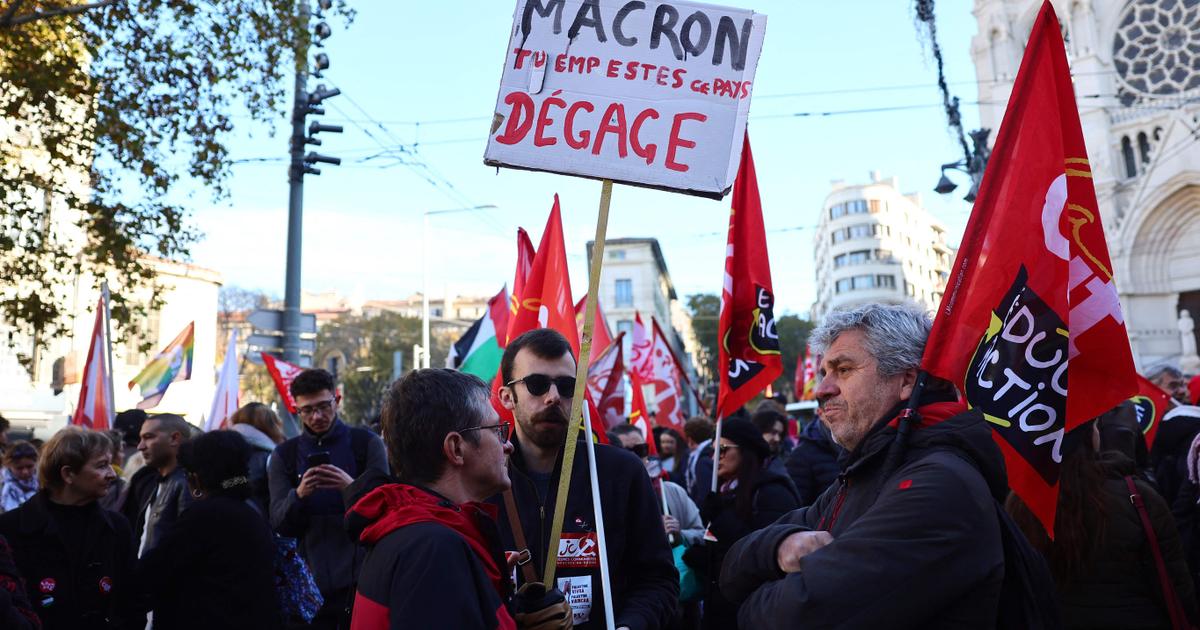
[[478, 351]]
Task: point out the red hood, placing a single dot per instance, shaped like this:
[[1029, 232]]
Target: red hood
[[392, 506], [934, 413]]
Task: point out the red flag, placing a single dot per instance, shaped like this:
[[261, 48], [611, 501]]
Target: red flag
[[499, 314], [606, 384], [525, 255], [599, 431], [601, 335], [640, 350], [544, 297], [1031, 290], [95, 408], [668, 378], [639, 416], [283, 373], [1151, 404], [749, 356], [806, 376]]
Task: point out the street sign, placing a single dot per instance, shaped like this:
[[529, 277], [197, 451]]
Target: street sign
[[274, 344], [271, 320]]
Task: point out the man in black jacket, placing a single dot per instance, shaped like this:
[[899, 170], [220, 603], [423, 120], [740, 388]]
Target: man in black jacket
[[538, 369], [158, 492], [919, 547]]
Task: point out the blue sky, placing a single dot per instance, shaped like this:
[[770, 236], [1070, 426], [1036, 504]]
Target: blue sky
[[420, 79]]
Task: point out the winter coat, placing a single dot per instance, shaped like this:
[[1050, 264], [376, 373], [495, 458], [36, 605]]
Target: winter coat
[[774, 495], [700, 472], [686, 512], [1168, 456], [430, 563], [213, 569], [644, 580], [77, 562], [920, 548], [317, 520], [813, 464], [15, 611], [167, 497], [261, 448], [1120, 588]]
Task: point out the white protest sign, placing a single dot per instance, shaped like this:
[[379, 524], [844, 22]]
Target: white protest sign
[[647, 93]]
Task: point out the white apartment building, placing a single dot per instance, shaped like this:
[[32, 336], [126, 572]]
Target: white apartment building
[[635, 280], [875, 244], [1136, 71]]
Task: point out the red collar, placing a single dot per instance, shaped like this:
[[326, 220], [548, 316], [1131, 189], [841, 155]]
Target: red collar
[[934, 413]]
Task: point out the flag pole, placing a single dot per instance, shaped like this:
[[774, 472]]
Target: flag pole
[[108, 361], [716, 443], [605, 580], [577, 402], [904, 426]]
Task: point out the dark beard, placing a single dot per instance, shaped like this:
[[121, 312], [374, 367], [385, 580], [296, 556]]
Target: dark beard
[[548, 428]]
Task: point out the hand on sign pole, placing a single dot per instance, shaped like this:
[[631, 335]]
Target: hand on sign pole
[[539, 609], [577, 401]]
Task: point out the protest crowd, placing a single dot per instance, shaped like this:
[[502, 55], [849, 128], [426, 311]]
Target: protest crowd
[[947, 479]]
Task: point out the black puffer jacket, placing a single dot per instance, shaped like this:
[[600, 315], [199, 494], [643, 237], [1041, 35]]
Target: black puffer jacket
[[813, 464], [920, 548], [1121, 588], [774, 496]]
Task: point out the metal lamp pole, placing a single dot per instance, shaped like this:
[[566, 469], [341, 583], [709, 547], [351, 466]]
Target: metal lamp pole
[[425, 274]]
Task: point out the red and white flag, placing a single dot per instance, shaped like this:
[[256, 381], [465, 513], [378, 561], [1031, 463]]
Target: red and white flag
[[639, 414], [283, 373], [606, 383], [226, 397], [640, 350], [669, 380], [95, 408], [1031, 304], [749, 358], [806, 375]]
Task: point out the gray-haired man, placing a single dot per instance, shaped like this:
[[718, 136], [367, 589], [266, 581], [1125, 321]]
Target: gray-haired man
[[920, 547]]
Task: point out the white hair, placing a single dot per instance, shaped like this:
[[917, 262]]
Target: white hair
[[895, 334]]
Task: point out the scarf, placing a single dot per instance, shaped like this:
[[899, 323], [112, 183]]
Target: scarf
[[14, 491]]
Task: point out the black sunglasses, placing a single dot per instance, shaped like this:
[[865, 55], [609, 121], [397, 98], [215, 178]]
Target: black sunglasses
[[539, 384], [641, 450]]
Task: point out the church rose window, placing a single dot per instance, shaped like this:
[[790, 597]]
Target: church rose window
[[1156, 48]]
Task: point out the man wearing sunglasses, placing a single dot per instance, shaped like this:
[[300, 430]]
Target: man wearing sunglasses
[[307, 474], [435, 559], [538, 369]]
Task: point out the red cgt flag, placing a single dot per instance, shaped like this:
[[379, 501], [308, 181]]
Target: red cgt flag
[[525, 255], [749, 356], [543, 296], [601, 336], [1031, 303], [283, 373], [1151, 404], [639, 415], [606, 383]]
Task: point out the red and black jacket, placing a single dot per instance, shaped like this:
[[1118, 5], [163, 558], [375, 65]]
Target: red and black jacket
[[431, 563]]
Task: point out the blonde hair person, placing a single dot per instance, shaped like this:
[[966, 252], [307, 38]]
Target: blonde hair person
[[261, 428], [261, 417]]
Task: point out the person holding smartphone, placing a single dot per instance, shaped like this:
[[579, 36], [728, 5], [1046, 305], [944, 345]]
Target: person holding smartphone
[[306, 476]]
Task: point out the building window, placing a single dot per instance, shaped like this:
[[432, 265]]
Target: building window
[[1143, 148], [1127, 156], [883, 254], [881, 230], [624, 295], [863, 282], [844, 285], [910, 289], [876, 205], [858, 206], [616, 254], [839, 261], [860, 231], [885, 281], [625, 326]]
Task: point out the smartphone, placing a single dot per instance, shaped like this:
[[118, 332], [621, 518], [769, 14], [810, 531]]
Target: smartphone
[[318, 459]]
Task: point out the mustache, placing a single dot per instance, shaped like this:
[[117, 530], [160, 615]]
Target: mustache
[[553, 414]]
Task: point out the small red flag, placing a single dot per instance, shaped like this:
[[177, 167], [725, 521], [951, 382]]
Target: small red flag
[[1032, 291], [283, 373], [599, 431], [601, 335], [749, 358], [95, 408], [668, 378], [639, 416], [525, 255], [1151, 404]]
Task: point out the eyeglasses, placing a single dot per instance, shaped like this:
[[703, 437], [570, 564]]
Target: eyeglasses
[[323, 407], [539, 384], [502, 430], [641, 450], [724, 448]]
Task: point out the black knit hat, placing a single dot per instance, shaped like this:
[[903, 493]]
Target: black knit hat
[[747, 436]]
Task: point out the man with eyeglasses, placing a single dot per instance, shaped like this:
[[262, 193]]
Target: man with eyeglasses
[[434, 558], [538, 369], [307, 474]]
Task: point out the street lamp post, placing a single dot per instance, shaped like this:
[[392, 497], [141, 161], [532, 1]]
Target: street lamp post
[[425, 354]]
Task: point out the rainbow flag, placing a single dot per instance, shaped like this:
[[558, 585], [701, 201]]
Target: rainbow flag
[[174, 363]]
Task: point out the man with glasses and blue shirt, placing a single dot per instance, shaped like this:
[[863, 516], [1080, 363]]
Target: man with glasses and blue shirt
[[307, 474], [538, 369]]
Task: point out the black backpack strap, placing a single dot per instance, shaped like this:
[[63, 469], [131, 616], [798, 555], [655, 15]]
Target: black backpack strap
[[287, 452], [359, 439]]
